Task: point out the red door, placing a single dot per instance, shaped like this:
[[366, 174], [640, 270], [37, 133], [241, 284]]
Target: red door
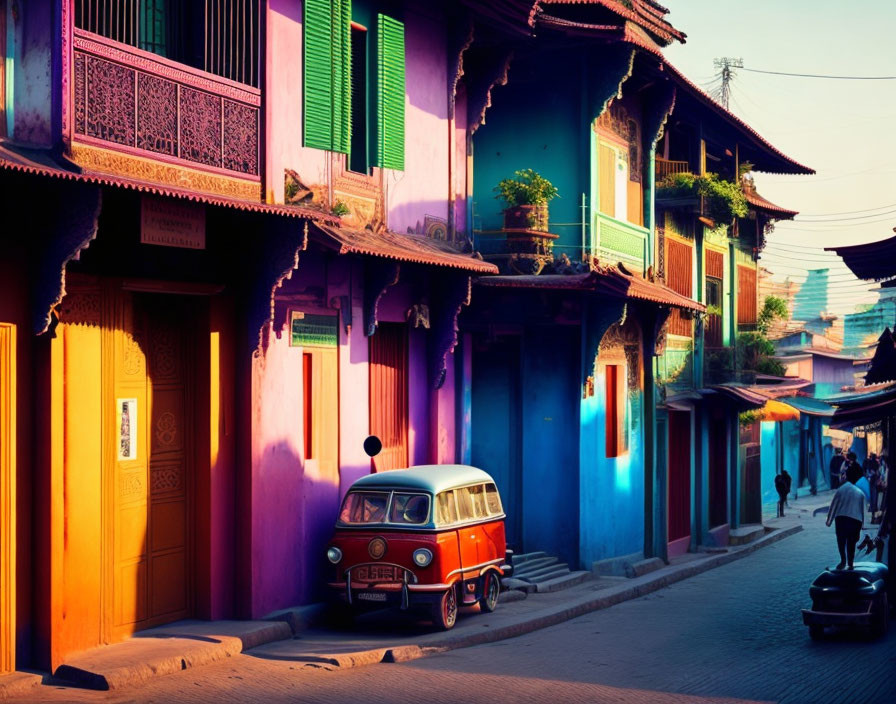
[[389, 394], [679, 481]]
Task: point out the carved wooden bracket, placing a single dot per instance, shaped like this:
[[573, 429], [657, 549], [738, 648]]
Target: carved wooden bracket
[[616, 66], [344, 305], [460, 39], [71, 226], [491, 69], [599, 315], [379, 275], [277, 258], [659, 102], [449, 296]]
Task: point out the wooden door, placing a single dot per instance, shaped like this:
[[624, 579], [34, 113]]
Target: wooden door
[[320, 393], [7, 496], [389, 394], [679, 475], [152, 462]]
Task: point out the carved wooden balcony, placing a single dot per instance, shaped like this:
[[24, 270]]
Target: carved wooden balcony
[[145, 106]]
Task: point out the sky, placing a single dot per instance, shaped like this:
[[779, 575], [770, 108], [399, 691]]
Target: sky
[[841, 128]]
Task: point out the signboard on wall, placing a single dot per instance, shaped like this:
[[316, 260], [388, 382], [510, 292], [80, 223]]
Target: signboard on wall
[[310, 330], [126, 421], [172, 223]]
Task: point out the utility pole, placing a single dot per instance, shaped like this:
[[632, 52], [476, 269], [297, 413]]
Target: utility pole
[[727, 68]]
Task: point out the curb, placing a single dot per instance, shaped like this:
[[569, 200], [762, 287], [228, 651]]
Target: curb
[[21, 684], [170, 650], [639, 586]]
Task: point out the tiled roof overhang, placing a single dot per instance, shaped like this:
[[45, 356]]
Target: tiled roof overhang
[[515, 16], [646, 13], [403, 248], [43, 163], [608, 280], [766, 206], [873, 261]]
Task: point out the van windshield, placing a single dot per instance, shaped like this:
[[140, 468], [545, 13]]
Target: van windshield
[[364, 507]]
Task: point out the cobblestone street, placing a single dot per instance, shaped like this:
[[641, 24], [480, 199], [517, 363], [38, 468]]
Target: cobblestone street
[[731, 634]]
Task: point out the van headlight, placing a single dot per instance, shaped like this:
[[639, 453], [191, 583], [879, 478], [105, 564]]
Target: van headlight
[[422, 557], [334, 555]]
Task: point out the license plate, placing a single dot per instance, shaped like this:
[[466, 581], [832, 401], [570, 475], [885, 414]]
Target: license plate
[[375, 573], [371, 596]]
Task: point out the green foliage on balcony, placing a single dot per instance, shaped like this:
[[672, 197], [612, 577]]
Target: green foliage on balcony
[[723, 200], [528, 187]]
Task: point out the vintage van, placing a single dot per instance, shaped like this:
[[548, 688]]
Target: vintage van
[[429, 536]]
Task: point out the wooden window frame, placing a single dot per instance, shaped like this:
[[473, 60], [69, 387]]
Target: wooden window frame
[[616, 418]]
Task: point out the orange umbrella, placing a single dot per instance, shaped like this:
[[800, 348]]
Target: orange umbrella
[[776, 410]]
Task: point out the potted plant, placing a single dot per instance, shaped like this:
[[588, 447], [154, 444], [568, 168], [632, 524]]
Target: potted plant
[[527, 195]]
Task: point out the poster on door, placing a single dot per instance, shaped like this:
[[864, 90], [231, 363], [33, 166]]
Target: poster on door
[[127, 428]]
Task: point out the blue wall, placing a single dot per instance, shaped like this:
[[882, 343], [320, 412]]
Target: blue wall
[[533, 125], [769, 459]]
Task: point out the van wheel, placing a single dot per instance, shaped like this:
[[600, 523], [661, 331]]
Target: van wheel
[[444, 611], [491, 588]]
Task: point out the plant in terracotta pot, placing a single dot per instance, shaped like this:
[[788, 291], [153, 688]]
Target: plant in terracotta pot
[[527, 195]]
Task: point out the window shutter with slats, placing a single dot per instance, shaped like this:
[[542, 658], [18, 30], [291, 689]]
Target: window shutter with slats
[[390, 93], [327, 74]]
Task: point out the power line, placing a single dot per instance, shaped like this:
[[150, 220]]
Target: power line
[[847, 212], [817, 75]]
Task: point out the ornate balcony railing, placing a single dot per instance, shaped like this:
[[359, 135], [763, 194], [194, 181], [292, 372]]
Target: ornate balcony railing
[[667, 167], [619, 241], [148, 106]]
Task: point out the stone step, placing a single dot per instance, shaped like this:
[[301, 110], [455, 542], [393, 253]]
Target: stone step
[[564, 582], [512, 583], [536, 564], [547, 574], [526, 556], [745, 534], [538, 571]]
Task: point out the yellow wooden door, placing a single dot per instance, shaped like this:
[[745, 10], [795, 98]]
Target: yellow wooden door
[[321, 414], [151, 462], [7, 496]]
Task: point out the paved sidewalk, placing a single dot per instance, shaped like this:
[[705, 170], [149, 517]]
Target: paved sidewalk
[[804, 504], [376, 637]]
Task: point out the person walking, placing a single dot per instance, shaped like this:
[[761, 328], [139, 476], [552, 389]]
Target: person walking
[[836, 463], [872, 473], [847, 512], [782, 486]]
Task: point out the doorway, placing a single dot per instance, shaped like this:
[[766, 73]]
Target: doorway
[[679, 482]]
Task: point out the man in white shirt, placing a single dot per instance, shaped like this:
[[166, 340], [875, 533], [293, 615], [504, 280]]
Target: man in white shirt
[[847, 512]]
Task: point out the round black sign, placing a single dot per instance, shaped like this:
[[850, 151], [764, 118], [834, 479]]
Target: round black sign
[[372, 446]]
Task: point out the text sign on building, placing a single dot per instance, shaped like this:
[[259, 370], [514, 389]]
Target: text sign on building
[[172, 223], [307, 330]]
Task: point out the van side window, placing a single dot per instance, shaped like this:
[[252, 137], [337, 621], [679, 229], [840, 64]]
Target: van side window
[[477, 498], [446, 511], [493, 500], [464, 504]]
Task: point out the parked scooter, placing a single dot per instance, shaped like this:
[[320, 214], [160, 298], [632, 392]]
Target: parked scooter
[[852, 598]]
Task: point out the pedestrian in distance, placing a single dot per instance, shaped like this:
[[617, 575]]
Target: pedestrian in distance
[[782, 486], [834, 467], [872, 472], [847, 512]]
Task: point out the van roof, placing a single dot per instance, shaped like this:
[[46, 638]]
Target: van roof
[[428, 477]]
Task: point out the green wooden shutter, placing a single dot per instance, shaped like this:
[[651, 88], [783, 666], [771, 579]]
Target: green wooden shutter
[[327, 74], [390, 93], [342, 75]]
